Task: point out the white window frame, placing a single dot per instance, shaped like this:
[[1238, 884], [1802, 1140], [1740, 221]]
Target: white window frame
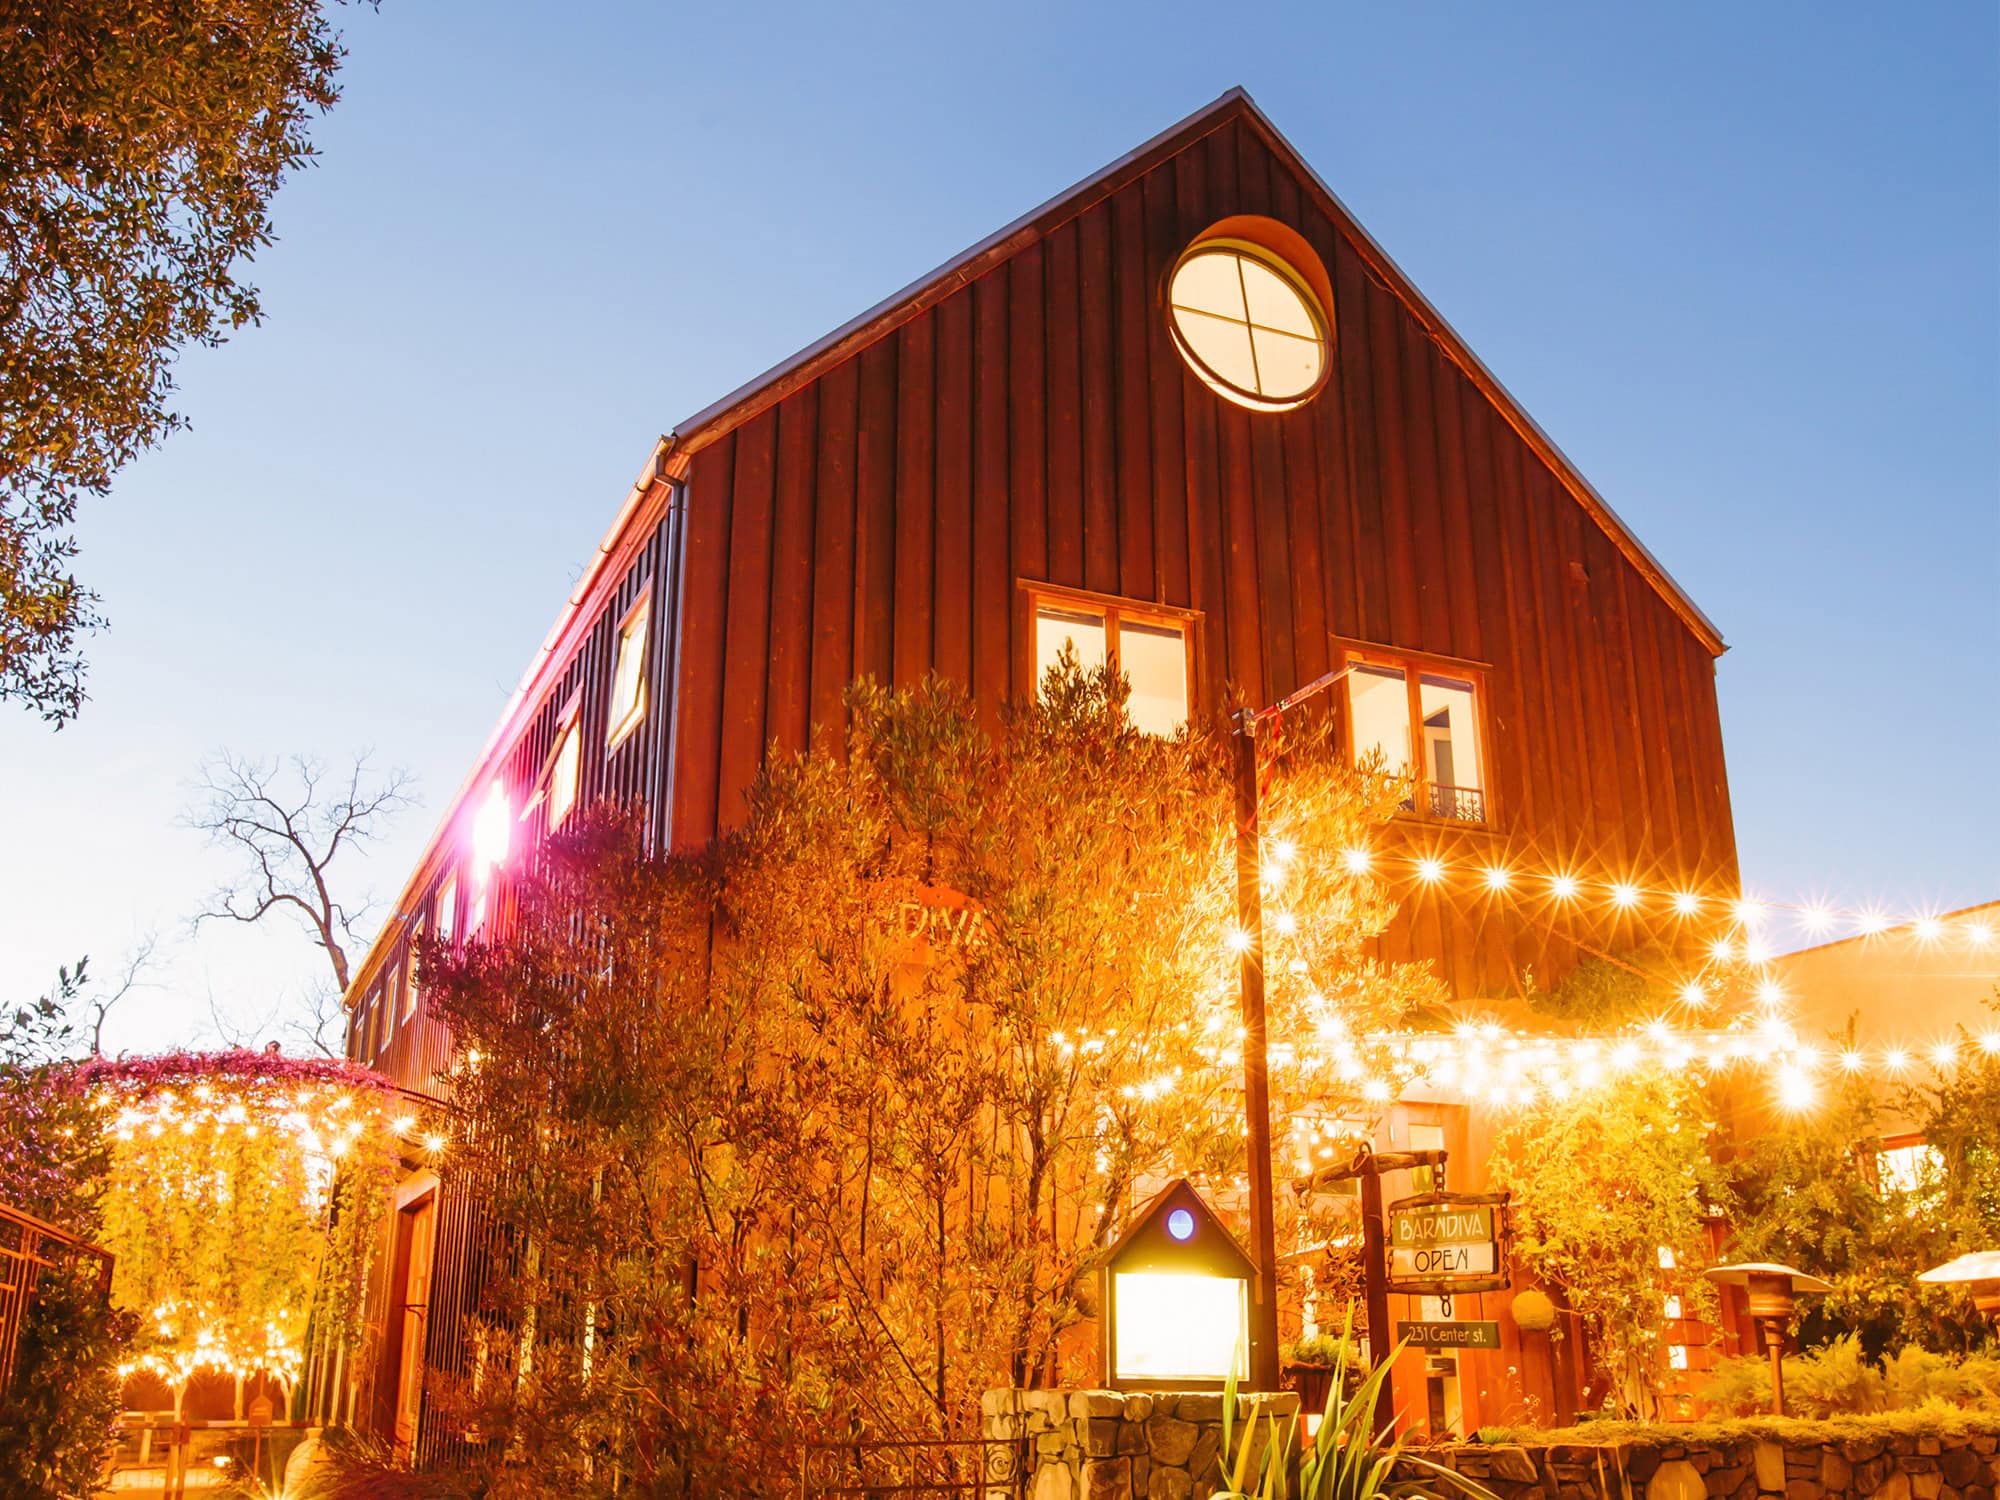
[[622, 724]]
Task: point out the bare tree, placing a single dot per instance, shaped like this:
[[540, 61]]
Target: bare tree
[[132, 977], [288, 823]]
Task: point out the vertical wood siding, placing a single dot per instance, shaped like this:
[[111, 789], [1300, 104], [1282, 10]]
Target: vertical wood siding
[[1037, 424]]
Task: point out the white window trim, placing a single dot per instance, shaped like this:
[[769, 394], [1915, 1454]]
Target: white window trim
[[621, 728]]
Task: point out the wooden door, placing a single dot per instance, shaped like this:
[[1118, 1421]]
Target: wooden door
[[414, 1299]]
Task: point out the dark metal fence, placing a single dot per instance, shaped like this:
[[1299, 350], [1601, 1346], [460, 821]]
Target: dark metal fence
[[911, 1468], [28, 1246]]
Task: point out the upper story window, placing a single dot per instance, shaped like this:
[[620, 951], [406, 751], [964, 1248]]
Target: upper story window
[[1247, 321], [446, 920], [408, 972], [628, 680], [1148, 645], [563, 771], [1423, 721]]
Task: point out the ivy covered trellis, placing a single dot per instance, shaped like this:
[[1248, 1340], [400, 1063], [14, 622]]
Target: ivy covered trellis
[[242, 1199]]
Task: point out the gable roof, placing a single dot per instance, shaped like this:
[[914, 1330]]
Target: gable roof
[[754, 396]]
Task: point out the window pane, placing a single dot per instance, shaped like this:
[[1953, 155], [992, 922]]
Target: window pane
[[1285, 366], [1275, 302], [1222, 345], [562, 778], [447, 908], [1154, 657], [1084, 633], [1451, 733], [1211, 284], [628, 682], [1378, 700]]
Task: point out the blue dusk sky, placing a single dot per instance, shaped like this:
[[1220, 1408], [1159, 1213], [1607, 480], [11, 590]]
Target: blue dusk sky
[[1741, 261]]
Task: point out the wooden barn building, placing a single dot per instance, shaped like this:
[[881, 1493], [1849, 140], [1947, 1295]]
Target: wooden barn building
[[1191, 416]]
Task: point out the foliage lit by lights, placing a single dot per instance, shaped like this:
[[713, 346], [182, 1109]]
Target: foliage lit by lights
[[242, 1198]]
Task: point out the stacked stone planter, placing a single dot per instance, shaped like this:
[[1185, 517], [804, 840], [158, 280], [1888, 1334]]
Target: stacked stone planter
[[1117, 1445], [1961, 1466]]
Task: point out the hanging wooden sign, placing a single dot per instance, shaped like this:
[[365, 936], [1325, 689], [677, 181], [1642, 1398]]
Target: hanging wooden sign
[[1442, 1243]]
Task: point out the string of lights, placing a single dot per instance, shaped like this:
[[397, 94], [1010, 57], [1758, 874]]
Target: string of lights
[[1564, 887]]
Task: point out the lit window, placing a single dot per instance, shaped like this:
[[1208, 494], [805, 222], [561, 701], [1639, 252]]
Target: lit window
[[446, 920], [475, 917], [1424, 727], [628, 682], [1915, 1169], [563, 774], [1677, 1356], [1247, 325], [1666, 1257], [410, 965], [1151, 652], [1670, 1308]]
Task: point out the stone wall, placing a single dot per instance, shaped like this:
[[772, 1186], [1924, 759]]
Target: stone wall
[[1117, 1445], [1870, 1466], [1134, 1445]]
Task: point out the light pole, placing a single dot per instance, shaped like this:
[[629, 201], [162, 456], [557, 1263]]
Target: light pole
[[1264, 1371]]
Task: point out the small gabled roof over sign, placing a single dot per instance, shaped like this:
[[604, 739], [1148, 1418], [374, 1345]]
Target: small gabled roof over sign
[[789, 375], [1178, 1232]]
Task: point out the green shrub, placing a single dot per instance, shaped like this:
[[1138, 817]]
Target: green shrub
[[1739, 1386], [1836, 1378]]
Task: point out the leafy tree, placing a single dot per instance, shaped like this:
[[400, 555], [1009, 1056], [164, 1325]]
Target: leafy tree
[[1602, 1181], [56, 1423], [825, 1129], [140, 147]]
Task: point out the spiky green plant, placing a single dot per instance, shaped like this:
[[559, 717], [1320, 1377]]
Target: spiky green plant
[[1348, 1458]]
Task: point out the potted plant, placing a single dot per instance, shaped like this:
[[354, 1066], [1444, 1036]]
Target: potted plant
[[1310, 1365]]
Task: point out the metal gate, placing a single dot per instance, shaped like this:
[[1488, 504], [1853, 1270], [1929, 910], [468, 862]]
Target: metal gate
[[27, 1247]]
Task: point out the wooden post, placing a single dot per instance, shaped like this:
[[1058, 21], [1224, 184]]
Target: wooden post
[[1375, 1291], [1264, 1371], [1774, 1335]]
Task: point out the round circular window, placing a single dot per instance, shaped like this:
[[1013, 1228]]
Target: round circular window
[[1247, 324]]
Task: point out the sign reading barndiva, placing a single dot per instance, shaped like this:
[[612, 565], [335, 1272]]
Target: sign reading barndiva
[[1446, 1242]]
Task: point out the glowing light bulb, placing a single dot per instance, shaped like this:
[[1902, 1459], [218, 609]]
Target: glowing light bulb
[[1287, 923], [1624, 895], [433, 1144], [1795, 1089], [1989, 1043], [1929, 929], [1284, 851], [1895, 1059], [1722, 950], [1943, 1055], [1871, 923], [1693, 994], [1562, 887], [1686, 903], [1816, 920], [1851, 1061], [1239, 940], [1497, 879], [1978, 934], [1748, 913], [1430, 871]]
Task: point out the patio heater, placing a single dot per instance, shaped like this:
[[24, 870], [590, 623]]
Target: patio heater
[[1771, 1292], [1978, 1273]]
